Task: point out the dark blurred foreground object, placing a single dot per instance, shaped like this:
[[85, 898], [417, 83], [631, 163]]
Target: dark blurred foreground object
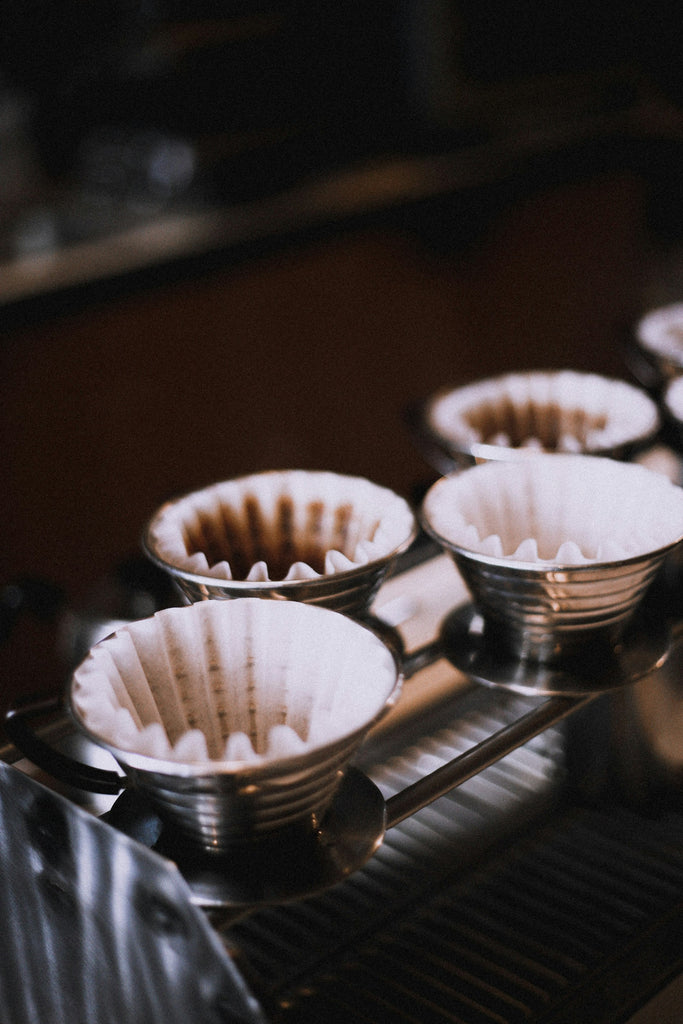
[[119, 938]]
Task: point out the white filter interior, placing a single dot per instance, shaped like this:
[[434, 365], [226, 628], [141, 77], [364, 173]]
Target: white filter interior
[[238, 681], [661, 331], [281, 525], [557, 509], [562, 411], [673, 398]]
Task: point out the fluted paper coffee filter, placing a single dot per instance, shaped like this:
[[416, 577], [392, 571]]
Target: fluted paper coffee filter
[[557, 509], [673, 399], [236, 719], [563, 411], [280, 525], [557, 551], [242, 681], [660, 332]]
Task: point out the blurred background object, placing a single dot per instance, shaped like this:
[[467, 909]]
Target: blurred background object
[[116, 113]]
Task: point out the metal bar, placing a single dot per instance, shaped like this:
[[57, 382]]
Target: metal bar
[[421, 658], [439, 782], [56, 726]]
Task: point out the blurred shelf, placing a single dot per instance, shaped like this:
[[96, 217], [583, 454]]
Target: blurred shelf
[[518, 154]]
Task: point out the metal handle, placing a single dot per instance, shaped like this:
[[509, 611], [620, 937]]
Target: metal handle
[[439, 782], [46, 757]]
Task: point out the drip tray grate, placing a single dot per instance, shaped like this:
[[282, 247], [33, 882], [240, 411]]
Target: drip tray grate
[[452, 922], [587, 905]]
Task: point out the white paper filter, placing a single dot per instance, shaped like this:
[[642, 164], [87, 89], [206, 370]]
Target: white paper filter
[[562, 410], [557, 509], [661, 331], [673, 398], [274, 525], [238, 681]]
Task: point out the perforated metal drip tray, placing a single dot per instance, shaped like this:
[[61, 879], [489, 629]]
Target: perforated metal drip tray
[[505, 899], [577, 920]]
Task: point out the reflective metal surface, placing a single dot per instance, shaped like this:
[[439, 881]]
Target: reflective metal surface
[[546, 613], [98, 929], [291, 864], [642, 648]]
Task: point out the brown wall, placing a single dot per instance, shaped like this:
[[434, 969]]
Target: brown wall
[[306, 358]]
